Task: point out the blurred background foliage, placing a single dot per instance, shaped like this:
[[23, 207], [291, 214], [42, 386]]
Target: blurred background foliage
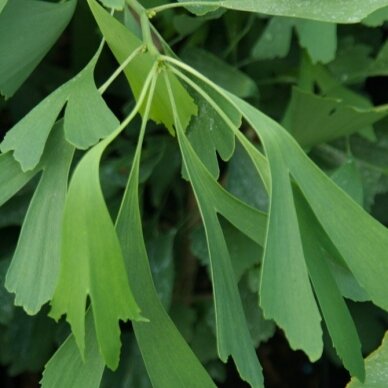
[[306, 75]]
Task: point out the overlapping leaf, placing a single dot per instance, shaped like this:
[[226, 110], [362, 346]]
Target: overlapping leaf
[[2, 4], [28, 29], [233, 337], [92, 263], [376, 370], [350, 11], [34, 270], [12, 178], [28, 137], [313, 119], [67, 368], [353, 232], [122, 42], [275, 41], [167, 356], [87, 119], [334, 310]]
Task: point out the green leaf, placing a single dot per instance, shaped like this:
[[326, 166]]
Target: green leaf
[[244, 182], [349, 179], [313, 119], [244, 253], [318, 38], [376, 18], [92, 263], [275, 41], [12, 178], [34, 270], [376, 371], [3, 3], [122, 42], [354, 233], [66, 369], [233, 337], [334, 310], [347, 284], [28, 137], [208, 134], [285, 296], [40, 24], [87, 117], [114, 4], [223, 74], [350, 11], [167, 356], [261, 329], [161, 257]]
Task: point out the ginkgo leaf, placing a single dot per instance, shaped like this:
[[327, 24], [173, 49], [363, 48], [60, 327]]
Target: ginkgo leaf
[[350, 11], [92, 263], [275, 41], [28, 137], [220, 72], [283, 249], [67, 369], [355, 233], [334, 310], [167, 356], [28, 29], [87, 117], [114, 4], [318, 38], [233, 336], [376, 371], [34, 269], [2, 4], [122, 42], [12, 178], [314, 119]]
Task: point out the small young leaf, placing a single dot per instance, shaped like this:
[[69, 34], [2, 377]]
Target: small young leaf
[[66, 369], [34, 270], [40, 24], [92, 263]]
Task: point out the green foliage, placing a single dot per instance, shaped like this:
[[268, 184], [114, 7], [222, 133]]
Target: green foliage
[[279, 197]]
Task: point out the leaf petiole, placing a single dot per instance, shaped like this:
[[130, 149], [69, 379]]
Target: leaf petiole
[[117, 72]]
